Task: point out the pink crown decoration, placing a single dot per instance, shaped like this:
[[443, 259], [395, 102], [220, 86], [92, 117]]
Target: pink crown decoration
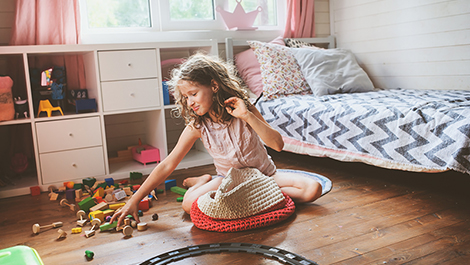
[[239, 19]]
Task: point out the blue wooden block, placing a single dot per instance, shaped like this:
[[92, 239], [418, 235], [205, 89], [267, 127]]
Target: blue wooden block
[[170, 183], [109, 181], [87, 104]]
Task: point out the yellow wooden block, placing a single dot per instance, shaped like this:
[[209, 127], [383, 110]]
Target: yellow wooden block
[[96, 215], [108, 212], [76, 230], [99, 193], [116, 206]]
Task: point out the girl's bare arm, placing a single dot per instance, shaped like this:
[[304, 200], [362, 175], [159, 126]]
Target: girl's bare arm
[[237, 108], [159, 173]]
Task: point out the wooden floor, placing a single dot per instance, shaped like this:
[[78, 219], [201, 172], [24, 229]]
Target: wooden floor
[[371, 216]]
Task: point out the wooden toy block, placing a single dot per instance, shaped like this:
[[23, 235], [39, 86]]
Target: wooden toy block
[[108, 212], [144, 204], [178, 190], [116, 206], [62, 234], [109, 190], [141, 226], [98, 199], [170, 183], [89, 181], [81, 218], [119, 194], [69, 184], [124, 182], [127, 231], [77, 186], [70, 194], [53, 196], [37, 228], [76, 230], [179, 199], [99, 192], [86, 204], [99, 207], [109, 181], [89, 254], [78, 195], [89, 233], [102, 184], [127, 190], [62, 189], [107, 226], [135, 187], [35, 190], [109, 198], [96, 215], [64, 203]]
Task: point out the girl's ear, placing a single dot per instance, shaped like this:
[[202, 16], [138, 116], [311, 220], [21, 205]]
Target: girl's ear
[[214, 85]]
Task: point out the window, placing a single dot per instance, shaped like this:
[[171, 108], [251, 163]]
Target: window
[[167, 15]]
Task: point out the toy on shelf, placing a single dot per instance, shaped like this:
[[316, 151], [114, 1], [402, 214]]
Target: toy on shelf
[[7, 108], [146, 154], [78, 98], [21, 108], [46, 106]]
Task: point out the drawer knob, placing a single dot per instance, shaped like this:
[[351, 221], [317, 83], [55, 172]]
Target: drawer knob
[[74, 165], [70, 134], [129, 64], [132, 94]]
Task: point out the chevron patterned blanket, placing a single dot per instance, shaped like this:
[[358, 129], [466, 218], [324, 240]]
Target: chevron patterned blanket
[[413, 130]]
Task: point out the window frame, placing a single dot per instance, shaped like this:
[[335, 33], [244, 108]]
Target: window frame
[[163, 27]]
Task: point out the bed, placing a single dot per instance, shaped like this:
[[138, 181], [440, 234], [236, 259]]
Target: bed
[[324, 105]]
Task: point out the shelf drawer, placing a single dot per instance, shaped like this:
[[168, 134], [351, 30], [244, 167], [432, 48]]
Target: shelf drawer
[[134, 94], [68, 134], [71, 165], [132, 64]]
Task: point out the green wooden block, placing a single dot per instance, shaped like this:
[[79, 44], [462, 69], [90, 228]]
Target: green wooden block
[[89, 182], [135, 175], [178, 190], [86, 204], [107, 226], [102, 185], [77, 186], [179, 199]]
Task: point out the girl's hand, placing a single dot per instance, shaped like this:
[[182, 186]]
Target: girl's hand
[[129, 208], [236, 107]]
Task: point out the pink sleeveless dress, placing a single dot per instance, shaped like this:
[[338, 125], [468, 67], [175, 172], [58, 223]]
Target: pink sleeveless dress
[[235, 144]]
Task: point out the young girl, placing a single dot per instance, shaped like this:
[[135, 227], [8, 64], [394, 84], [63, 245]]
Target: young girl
[[216, 110]]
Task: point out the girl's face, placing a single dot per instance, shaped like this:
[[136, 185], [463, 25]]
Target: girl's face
[[198, 97]]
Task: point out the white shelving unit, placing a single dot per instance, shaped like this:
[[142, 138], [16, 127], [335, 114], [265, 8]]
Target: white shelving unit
[[126, 82]]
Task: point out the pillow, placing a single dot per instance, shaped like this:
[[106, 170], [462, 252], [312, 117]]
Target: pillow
[[280, 72], [249, 68], [7, 107], [293, 43], [332, 71]]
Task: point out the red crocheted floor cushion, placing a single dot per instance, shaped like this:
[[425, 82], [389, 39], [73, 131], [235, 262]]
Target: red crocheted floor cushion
[[275, 214]]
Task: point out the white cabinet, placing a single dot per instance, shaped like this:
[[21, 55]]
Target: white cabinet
[[126, 82]]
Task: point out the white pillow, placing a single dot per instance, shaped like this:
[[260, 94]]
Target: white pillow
[[332, 71]]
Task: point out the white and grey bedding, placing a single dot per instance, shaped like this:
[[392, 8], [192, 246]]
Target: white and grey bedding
[[414, 130], [340, 115]]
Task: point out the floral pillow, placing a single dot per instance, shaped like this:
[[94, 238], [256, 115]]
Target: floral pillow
[[281, 74]]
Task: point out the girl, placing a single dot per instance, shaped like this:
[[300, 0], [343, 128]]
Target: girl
[[216, 110]]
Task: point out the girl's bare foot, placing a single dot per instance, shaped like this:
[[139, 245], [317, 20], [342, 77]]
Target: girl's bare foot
[[189, 182]]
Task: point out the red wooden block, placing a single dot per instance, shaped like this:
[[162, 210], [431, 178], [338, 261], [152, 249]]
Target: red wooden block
[[144, 204], [35, 190], [135, 187]]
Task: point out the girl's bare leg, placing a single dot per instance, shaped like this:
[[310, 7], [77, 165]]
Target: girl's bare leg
[[299, 188], [198, 186]]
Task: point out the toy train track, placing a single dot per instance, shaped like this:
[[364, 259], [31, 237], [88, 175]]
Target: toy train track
[[281, 255]]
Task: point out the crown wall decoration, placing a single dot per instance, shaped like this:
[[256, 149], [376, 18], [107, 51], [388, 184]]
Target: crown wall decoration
[[239, 19]]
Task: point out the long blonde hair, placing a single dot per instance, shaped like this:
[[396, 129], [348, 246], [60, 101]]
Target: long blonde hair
[[202, 69]]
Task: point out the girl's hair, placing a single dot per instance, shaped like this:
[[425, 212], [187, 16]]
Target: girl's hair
[[202, 69]]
